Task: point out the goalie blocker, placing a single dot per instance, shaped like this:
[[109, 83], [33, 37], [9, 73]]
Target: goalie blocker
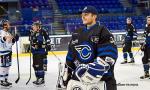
[[88, 77]]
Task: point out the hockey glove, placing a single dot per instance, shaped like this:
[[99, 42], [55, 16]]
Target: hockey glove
[[92, 72], [16, 38], [142, 47], [48, 47]]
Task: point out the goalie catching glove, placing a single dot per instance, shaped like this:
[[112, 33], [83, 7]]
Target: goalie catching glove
[[93, 72]]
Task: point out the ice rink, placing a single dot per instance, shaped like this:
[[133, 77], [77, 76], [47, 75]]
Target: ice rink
[[127, 75]]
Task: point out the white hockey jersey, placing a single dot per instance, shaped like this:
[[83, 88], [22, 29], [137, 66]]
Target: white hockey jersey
[[5, 47]]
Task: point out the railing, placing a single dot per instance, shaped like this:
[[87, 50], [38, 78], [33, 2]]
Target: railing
[[23, 30]]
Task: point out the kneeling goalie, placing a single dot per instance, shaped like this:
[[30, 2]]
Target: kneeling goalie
[[91, 55]]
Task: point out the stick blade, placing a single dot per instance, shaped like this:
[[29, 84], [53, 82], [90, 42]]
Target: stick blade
[[17, 80]]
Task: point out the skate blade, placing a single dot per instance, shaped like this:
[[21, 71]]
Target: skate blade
[[3, 87], [147, 78], [131, 63], [61, 88], [42, 85]]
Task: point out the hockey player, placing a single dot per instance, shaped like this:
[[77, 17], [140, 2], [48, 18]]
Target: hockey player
[[6, 42], [88, 43], [146, 49], [40, 43], [127, 44]]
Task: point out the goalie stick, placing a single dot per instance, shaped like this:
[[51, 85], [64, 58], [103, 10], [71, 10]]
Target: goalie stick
[[59, 85]]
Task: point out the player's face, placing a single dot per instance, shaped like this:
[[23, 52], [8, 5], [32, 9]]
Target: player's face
[[148, 21], [7, 26], [88, 18], [35, 28], [128, 21]]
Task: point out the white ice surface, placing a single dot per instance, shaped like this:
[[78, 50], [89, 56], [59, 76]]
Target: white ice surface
[[126, 75]]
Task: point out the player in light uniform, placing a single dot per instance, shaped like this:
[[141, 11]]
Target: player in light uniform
[[6, 42]]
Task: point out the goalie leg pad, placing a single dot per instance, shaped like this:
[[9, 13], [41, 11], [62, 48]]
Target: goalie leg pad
[[77, 85]]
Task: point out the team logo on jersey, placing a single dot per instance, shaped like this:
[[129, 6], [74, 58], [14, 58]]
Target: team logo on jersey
[[74, 41], [75, 37], [76, 88], [112, 40], [94, 88], [94, 39], [84, 51]]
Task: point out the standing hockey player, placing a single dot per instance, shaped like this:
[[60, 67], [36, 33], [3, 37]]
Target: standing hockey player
[[40, 43], [91, 53], [146, 49], [6, 42], [127, 44]]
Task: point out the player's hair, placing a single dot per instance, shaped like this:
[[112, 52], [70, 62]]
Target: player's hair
[[147, 17], [129, 18], [37, 23]]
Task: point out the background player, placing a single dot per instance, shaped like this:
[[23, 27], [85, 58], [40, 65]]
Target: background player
[[87, 43], [127, 44], [146, 49], [6, 42], [40, 44]]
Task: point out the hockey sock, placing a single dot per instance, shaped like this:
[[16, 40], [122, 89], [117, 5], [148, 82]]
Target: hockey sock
[[125, 56], [3, 73], [146, 67], [7, 72], [40, 73], [131, 55]]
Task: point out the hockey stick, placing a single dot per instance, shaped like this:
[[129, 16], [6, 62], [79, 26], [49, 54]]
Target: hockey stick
[[59, 76], [30, 65], [58, 86], [59, 71], [17, 59], [136, 53]]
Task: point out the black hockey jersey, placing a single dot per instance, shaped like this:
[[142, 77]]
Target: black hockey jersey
[[131, 33], [39, 41], [88, 44], [147, 35]]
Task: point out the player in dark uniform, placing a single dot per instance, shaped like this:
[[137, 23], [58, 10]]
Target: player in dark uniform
[[40, 42], [88, 43], [127, 44], [146, 49]]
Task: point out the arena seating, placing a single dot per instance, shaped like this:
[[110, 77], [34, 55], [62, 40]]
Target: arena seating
[[113, 23], [103, 6], [35, 10]]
